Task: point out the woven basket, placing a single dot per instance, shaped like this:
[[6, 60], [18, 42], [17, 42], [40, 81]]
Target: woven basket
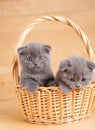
[[50, 105]]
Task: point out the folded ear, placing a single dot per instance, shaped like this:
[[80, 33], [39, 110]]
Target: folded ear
[[91, 65], [64, 65], [47, 48], [21, 50]]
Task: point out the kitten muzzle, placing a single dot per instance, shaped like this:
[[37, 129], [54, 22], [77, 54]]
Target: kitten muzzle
[[75, 87]]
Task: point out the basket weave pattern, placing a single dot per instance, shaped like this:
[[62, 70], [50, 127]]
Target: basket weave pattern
[[50, 105]]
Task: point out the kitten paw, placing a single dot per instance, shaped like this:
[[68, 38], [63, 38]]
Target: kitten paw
[[32, 89], [31, 85], [66, 89]]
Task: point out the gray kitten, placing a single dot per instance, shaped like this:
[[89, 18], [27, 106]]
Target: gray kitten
[[35, 66], [74, 72]]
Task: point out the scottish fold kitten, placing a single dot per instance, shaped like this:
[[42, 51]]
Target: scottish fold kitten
[[74, 72], [35, 66]]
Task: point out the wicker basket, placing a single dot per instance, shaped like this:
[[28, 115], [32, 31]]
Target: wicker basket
[[50, 105]]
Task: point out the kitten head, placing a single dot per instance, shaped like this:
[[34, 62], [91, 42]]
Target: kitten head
[[34, 56], [76, 72]]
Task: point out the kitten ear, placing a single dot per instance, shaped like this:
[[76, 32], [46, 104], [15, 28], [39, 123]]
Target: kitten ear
[[21, 50], [47, 48], [91, 65], [64, 64]]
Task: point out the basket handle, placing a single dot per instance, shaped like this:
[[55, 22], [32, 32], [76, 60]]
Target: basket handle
[[64, 20]]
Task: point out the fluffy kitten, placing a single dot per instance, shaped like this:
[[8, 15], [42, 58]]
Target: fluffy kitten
[[35, 66], [74, 72]]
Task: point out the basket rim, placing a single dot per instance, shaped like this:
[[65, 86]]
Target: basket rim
[[54, 88]]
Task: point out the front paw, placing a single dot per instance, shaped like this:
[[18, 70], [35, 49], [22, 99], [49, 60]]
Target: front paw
[[64, 88], [32, 88]]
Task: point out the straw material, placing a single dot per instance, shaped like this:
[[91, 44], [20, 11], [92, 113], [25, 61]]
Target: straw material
[[50, 105]]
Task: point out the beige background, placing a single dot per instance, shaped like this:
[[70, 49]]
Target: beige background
[[15, 15]]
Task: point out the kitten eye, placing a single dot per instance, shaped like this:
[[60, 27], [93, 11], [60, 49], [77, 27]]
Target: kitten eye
[[65, 71], [83, 80], [29, 59], [41, 57], [72, 80]]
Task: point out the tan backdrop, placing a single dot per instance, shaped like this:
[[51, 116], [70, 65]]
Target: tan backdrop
[[15, 15]]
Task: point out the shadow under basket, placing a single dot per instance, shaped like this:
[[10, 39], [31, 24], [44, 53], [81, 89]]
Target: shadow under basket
[[49, 105]]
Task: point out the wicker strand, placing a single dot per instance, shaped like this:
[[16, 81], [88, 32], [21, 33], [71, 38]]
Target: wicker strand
[[82, 104], [49, 104], [73, 104], [39, 104], [61, 106], [90, 101]]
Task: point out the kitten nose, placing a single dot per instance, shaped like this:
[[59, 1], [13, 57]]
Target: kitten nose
[[77, 86], [35, 63]]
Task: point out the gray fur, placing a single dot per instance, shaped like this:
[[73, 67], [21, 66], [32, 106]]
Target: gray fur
[[74, 72], [35, 66]]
